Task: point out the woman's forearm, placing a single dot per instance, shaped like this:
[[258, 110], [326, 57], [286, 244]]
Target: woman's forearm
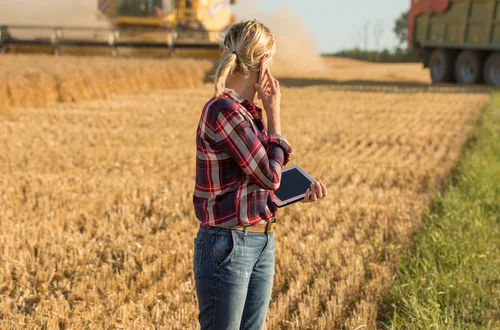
[[274, 124]]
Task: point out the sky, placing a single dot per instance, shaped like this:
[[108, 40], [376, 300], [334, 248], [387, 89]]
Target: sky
[[337, 24], [333, 24]]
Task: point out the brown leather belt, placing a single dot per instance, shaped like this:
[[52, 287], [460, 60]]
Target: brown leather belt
[[267, 228]]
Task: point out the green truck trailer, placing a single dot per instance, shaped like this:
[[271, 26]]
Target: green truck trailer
[[459, 39]]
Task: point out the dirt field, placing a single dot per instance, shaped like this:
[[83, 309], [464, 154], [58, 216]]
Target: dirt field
[[97, 225]]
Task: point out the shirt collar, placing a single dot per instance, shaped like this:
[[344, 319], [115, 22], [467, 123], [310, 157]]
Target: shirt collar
[[252, 107]]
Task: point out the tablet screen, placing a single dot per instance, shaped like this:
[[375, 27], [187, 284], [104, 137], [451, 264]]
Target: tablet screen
[[293, 183]]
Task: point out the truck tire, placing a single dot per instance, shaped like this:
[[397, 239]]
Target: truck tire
[[469, 68], [441, 63], [492, 70]]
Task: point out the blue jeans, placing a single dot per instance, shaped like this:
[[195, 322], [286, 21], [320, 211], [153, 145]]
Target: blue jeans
[[234, 272]]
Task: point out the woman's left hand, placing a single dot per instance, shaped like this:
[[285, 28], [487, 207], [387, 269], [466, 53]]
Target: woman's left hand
[[315, 192]]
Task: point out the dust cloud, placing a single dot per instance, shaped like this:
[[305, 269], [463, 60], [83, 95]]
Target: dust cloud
[[296, 46], [51, 13]]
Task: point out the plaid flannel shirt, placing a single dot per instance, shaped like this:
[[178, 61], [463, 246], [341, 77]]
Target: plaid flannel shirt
[[238, 164]]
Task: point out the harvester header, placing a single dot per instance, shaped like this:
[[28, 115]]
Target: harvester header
[[172, 24]]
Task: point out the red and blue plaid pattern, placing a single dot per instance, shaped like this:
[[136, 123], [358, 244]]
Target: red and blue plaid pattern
[[238, 164]]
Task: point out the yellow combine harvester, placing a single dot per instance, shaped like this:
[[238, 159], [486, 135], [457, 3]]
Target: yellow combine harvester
[[160, 24], [184, 20]]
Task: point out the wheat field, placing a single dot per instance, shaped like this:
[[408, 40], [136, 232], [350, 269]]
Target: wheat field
[[96, 218], [36, 80]]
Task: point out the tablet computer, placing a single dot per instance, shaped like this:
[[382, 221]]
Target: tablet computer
[[294, 183]]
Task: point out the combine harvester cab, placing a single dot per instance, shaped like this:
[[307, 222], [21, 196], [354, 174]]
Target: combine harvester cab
[[459, 39], [181, 23]]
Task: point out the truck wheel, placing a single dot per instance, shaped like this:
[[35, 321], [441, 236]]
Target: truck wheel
[[492, 70], [469, 68], [441, 64]]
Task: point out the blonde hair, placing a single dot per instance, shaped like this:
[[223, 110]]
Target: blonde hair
[[244, 45]]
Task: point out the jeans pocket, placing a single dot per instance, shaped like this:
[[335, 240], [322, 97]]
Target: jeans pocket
[[198, 254], [223, 250]]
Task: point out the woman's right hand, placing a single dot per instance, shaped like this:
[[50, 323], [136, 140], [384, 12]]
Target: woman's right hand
[[271, 100]]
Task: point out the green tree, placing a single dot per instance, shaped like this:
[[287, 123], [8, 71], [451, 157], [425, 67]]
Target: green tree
[[401, 28]]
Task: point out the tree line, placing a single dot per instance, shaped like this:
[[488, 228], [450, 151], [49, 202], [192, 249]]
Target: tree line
[[370, 33]]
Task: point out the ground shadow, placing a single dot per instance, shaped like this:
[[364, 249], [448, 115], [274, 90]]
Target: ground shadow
[[385, 86]]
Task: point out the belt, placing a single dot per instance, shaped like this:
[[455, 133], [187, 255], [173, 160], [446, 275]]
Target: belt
[[267, 228]]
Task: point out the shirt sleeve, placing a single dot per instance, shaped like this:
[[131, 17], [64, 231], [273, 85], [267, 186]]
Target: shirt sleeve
[[234, 136]]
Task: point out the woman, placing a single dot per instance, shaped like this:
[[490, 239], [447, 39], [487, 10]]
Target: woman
[[239, 163]]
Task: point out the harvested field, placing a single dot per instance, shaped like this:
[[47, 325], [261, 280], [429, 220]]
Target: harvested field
[[96, 221], [38, 80]]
